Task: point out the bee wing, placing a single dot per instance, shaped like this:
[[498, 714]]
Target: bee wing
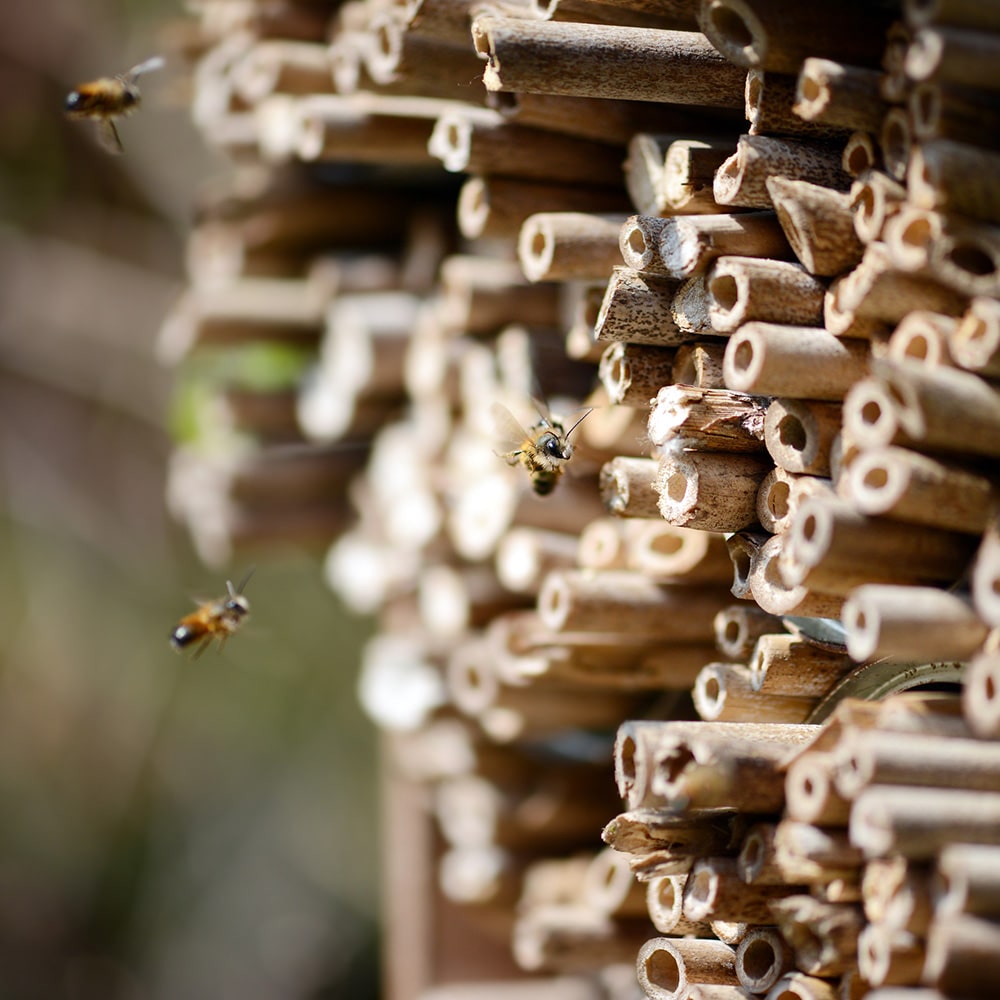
[[543, 409], [157, 62], [510, 434], [107, 135]]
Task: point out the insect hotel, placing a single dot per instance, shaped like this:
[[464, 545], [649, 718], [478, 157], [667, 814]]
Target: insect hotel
[[717, 717]]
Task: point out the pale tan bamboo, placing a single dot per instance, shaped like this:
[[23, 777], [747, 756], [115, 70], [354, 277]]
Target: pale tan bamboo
[[814, 855], [797, 361], [955, 177], [688, 244], [742, 179], [775, 596], [755, 862], [799, 434], [908, 236], [986, 576], [785, 665], [690, 306], [824, 936], [633, 373], [764, 33], [662, 551], [688, 176], [967, 257], [603, 544], [739, 626], [922, 336], [918, 822], [761, 959], [911, 624], [896, 893], [581, 304], [561, 246], [781, 493], [981, 695], [729, 931], [608, 886], [888, 956], [606, 61], [700, 365], [799, 986], [627, 487], [975, 342], [832, 547], [810, 793], [724, 693], [770, 98], [666, 966], [706, 419], [713, 491], [896, 142], [617, 601], [665, 903], [636, 308], [639, 243], [818, 223], [498, 206], [741, 289], [870, 417], [281, 66], [963, 956], [837, 94], [970, 880], [860, 155], [477, 141], [875, 198], [744, 547], [526, 555], [660, 844], [714, 888], [953, 55]]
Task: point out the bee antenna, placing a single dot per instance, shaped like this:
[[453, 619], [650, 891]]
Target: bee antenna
[[242, 585], [580, 421]]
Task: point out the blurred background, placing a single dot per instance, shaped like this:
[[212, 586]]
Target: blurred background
[[168, 827]]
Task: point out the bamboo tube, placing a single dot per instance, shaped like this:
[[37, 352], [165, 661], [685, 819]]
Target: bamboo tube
[[667, 966], [713, 491], [810, 793], [763, 34], [967, 257], [955, 177], [975, 342], [667, 842], [970, 880], [798, 986], [665, 904], [835, 548], [784, 665], [781, 493], [559, 246], [639, 242], [688, 244], [896, 142], [700, 365], [943, 112], [875, 197], [818, 224], [706, 419], [755, 863], [922, 336], [738, 627], [775, 596], [662, 551], [744, 547], [715, 888], [803, 362], [888, 956], [813, 855], [280, 66], [741, 289], [742, 179], [498, 206], [761, 959], [911, 624], [985, 576], [485, 144], [953, 55], [860, 155], [917, 822], [526, 555], [636, 309], [581, 304], [846, 96], [724, 693], [690, 306], [603, 544], [823, 935], [979, 695], [729, 931], [609, 886], [688, 176], [633, 373], [896, 893], [799, 434], [627, 487], [484, 876], [606, 61], [962, 956], [617, 601], [769, 108]]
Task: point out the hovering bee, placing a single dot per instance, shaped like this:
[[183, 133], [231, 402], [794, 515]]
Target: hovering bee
[[543, 450], [217, 619], [109, 98]]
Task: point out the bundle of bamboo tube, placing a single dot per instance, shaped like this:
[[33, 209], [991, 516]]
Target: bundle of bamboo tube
[[780, 333]]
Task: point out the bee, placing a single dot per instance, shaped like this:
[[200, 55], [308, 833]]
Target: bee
[[217, 619], [543, 450], [109, 98]]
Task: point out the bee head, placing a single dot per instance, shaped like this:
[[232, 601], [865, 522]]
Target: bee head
[[73, 100], [555, 447], [237, 606]]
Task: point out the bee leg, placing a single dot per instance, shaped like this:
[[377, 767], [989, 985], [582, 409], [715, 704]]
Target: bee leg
[[202, 646], [107, 132]]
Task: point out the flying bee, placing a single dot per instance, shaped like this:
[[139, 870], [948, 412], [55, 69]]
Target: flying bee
[[108, 98], [543, 450], [217, 619]]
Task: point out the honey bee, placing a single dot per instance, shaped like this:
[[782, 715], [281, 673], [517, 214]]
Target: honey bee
[[217, 619], [543, 450], [109, 98]]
